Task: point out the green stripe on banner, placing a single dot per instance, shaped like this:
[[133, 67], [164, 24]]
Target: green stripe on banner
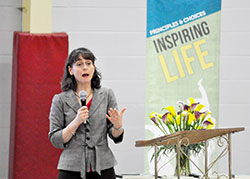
[[182, 59]]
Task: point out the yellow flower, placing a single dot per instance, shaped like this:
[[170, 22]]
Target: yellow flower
[[178, 120], [170, 118], [191, 118], [208, 124], [205, 114], [191, 101], [199, 107], [171, 110], [153, 116]]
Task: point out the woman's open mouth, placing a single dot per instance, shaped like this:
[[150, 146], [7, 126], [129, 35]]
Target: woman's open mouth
[[85, 75]]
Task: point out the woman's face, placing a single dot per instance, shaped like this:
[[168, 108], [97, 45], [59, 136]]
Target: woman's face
[[83, 70]]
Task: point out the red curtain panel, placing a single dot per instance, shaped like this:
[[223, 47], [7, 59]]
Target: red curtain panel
[[38, 63]]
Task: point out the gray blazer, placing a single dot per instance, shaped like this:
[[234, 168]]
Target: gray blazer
[[92, 135]]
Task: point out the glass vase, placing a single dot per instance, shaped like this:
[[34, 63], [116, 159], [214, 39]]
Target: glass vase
[[184, 163]]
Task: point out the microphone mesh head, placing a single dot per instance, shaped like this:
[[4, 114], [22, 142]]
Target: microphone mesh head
[[83, 95]]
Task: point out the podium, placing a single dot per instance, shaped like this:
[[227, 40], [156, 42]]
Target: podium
[[192, 137]]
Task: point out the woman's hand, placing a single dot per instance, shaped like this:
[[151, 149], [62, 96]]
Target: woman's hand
[[115, 117], [70, 130], [82, 115]]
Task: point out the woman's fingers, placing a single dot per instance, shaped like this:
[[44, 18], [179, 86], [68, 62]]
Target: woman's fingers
[[107, 116], [122, 111], [115, 115], [83, 114]]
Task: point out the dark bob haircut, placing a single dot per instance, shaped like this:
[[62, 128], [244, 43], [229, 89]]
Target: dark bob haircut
[[68, 81]]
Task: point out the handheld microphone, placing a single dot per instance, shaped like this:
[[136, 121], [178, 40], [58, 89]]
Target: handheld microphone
[[83, 97]]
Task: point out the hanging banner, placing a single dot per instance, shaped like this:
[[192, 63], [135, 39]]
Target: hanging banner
[[183, 51]]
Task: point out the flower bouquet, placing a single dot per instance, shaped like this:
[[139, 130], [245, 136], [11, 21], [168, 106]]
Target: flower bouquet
[[189, 117]]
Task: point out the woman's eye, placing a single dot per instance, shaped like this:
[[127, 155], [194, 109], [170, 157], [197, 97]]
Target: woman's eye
[[78, 64]]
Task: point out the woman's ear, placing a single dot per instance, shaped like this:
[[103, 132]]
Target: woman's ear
[[70, 70]]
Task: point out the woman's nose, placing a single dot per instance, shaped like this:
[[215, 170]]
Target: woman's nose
[[85, 66]]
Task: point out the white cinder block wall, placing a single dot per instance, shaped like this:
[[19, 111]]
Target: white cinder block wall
[[10, 20], [115, 30], [235, 79]]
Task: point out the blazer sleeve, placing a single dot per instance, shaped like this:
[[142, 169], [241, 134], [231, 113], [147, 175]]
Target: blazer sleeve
[[112, 104], [56, 120]]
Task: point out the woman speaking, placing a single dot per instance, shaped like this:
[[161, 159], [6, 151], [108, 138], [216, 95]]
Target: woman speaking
[[82, 130]]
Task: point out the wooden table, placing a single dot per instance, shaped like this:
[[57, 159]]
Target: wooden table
[[191, 137]]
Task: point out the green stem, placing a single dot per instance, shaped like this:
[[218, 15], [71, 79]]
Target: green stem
[[164, 130], [169, 127]]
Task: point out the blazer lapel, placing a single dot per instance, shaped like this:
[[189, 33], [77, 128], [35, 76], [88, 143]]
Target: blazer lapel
[[72, 101], [98, 97]]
